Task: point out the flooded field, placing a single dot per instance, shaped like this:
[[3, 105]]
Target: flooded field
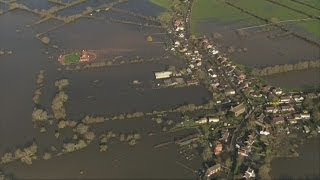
[[296, 80], [96, 91], [263, 48], [306, 166], [113, 92], [120, 161]]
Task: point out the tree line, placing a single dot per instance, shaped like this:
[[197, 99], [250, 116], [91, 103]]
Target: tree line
[[271, 70]]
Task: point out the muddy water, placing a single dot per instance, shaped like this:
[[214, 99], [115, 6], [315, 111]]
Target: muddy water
[[263, 47], [305, 167], [113, 94], [296, 80], [120, 161], [17, 77], [102, 34]]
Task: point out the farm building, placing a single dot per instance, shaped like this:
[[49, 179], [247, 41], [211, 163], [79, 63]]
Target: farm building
[[163, 74]]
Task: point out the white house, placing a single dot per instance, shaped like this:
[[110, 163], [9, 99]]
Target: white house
[[212, 119], [163, 74], [305, 115]]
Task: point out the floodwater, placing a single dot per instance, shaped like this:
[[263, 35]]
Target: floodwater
[[296, 80], [306, 166], [112, 94], [264, 48]]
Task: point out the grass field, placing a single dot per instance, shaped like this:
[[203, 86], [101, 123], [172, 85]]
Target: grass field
[[205, 10], [218, 10], [163, 3], [72, 58], [315, 3], [300, 7]]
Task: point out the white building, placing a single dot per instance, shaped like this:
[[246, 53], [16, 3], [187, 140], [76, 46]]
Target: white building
[[163, 74], [305, 115], [249, 174], [212, 119]]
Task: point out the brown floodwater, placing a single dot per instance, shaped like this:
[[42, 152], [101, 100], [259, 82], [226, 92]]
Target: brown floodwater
[[112, 94], [306, 166]]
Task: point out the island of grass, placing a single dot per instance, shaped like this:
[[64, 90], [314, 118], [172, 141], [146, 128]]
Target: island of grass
[[77, 57], [72, 58]]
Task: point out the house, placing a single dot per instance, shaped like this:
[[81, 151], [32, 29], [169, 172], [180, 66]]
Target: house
[[305, 115], [238, 110], [271, 109], [229, 92], [277, 91], [243, 152], [214, 51], [212, 119], [203, 120], [285, 99], [264, 132], [84, 56], [286, 108], [181, 35], [163, 74], [212, 170], [298, 98], [177, 44], [278, 120], [291, 120], [218, 149], [249, 174]]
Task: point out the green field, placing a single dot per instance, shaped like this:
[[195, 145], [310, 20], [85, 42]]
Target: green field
[[72, 58], [206, 10], [163, 3], [312, 27], [218, 10], [300, 7], [315, 3]]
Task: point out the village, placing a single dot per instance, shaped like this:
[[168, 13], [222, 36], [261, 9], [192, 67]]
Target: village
[[240, 128], [250, 111]]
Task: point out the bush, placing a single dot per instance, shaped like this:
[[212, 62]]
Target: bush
[[45, 40], [103, 147], [81, 128], [149, 38], [62, 84], [39, 115], [46, 156], [57, 105], [7, 157], [89, 136], [62, 124]]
